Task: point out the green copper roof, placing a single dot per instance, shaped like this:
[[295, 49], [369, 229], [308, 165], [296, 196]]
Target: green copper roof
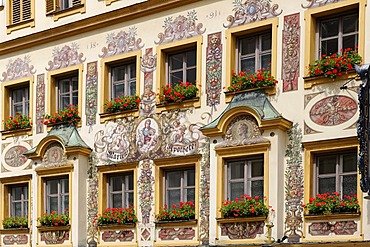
[[68, 134], [255, 100]]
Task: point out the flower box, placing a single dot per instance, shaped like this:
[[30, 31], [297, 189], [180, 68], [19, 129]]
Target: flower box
[[16, 132], [335, 216], [184, 211], [239, 219], [120, 105], [120, 114], [168, 223], [310, 81], [188, 103], [117, 216], [244, 206], [67, 115], [15, 231]]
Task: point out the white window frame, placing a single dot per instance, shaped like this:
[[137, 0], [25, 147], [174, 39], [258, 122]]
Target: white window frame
[[125, 191], [24, 200], [127, 81], [184, 68], [61, 194], [183, 184], [25, 102], [70, 91]]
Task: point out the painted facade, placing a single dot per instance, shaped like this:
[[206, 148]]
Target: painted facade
[[287, 127]]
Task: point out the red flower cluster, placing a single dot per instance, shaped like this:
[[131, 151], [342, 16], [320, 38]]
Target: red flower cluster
[[245, 206], [335, 65], [17, 122], [242, 80], [180, 92], [122, 103], [183, 211], [15, 222], [67, 115], [330, 203], [54, 219], [117, 216]]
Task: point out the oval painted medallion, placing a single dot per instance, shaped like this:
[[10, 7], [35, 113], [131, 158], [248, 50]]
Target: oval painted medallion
[[14, 156], [333, 110]]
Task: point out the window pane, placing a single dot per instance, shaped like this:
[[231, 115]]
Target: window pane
[[329, 46], [17, 193], [129, 199], [64, 102], [65, 203], [350, 24], [248, 65], [190, 195], [18, 95], [327, 164], [64, 86], [266, 42], [74, 83], [176, 77], [236, 190], [190, 178], [52, 186], [329, 28], [191, 75], [266, 61], [191, 58], [174, 197], [349, 163], [326, 185], [118, 90], [237, 169], [350, 41], [176, 61], [257, 168], [132, 88], [132, 71], [17, 207], [117, 183], [25, 209], [174, 179], [257, 188], [118, 73], [130, 185], [117, 200], [74, 98], [65, 185], [53, 203], [349, 185], [17, 108], [248, 45]]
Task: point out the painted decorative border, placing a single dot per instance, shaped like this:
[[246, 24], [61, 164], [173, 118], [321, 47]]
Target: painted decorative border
[[91, 93]]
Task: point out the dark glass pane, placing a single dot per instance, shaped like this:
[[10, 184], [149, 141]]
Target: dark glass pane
[[65, 203], [117, 200], [326, 185], [132, 87], [190, 195], [17, 193], [248, 45], [329, 28], [174, 179], [118, 90], [65, 185], [350, 24], [350, 42], [118, 73], [52, 186], [257, 168], [74, 83], [17, 108], [176, 61], [174, 197], [25, 192], [63, 86], [191, 75], [191, 58], [53, 202], [75, 98], [236, 190], [130, 199], [266, 61], [25, 209], [237, 169], [248, 65], [132, 70], [18, 95], [349, 185], [266, 42], [349, 162], [64, 102], [329, 47], [257, 188], [17, 209], [327, 164], [130, 185], [190, 178], [176, 77], [27, 107], [116, 183]]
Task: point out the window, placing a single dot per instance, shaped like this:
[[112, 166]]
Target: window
[[20, 11], [123, 79], [182, 67], [244, 176], [19, 101], [67, 91], [18, 200], [338, 33], [179, 186], [336, 172], [57, 195], [121, 190], [61, 8], [254, 52]]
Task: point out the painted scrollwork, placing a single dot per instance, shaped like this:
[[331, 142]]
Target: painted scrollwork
[[55, 237], [16, 239], [92, 199], [40, 103], [146, 184], [19, 68], [243, 230], [65, 57], [251, 11], [312, 3]]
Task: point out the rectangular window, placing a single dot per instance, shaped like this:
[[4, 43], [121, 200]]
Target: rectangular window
[[182, 67], [19, 101], [244, 176], [336, 172], [336, 33], [20, 11], [67, 91], [57, 195], [18, 200], [179, 186], [123, 79], [121, 190], [254, 52]]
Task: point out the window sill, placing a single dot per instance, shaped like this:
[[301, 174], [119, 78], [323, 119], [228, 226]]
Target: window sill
[[15, 231], [312, 217], [310, 81], [53, 228], [80, 8], [241, 219], [178, 105], [111, 116], [268, 90], [117, 226], [52, 125], [20, 25], [176, 223], [17, 132]]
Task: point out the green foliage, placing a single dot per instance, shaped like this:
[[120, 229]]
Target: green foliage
[[245, 206], [122, 103], [242, 80], [67, 115], [19, 121], [54, 219], [182, 91], [183, 211], [15, 222], [117, 216]]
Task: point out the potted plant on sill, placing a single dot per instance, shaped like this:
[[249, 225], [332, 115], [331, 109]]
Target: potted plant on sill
[[122, 103], [117, 216], [335, 65], [67, 115], [246, 80], [18, 122], [54, 219], [243, 207], [184, 211], [180, 92], [331, 203], [15, 223]]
